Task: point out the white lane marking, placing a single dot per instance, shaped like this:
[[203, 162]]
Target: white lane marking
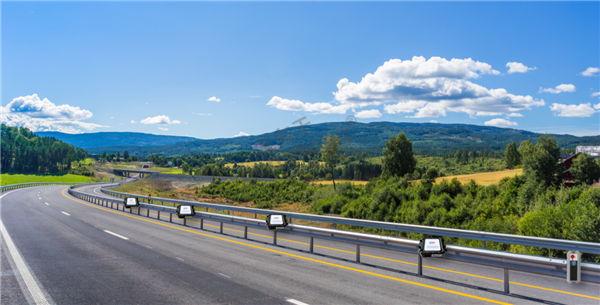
[[34, 289], [46, 203], [227, 276], [181, 259], [148, 247], [65, 213], [96, 191], [117, 235], [296, 302]]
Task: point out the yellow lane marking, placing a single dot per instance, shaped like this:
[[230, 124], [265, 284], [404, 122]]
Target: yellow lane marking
[[408, 263], [289, 254]]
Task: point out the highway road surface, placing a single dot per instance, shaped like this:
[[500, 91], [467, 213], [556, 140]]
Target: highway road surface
[[57, 249]]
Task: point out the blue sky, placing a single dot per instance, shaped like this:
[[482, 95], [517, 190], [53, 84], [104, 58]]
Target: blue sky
[[217, 70]]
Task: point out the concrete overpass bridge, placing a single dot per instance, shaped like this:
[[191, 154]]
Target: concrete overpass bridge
[[127, 172]]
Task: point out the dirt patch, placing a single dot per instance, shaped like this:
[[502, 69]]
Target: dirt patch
[[188, 185]]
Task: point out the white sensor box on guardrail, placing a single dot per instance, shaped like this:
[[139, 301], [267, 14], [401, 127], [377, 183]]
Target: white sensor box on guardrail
[[132, 202], [432, 247], [185, 210], [276, 220]]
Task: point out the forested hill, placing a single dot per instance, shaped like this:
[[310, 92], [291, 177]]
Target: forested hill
[[99, 139], [359, 137], [22, 151]]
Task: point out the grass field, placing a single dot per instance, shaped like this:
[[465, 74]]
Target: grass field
[[8, 179], [484, 178], [274, 163]]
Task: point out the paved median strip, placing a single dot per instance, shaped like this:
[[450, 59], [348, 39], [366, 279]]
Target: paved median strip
[[117, 235]]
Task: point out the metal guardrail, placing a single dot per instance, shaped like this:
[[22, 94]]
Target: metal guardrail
[[559, 244], [508, 261], [22, 185]]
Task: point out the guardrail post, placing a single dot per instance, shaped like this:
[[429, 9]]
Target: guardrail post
[[275, 237], [419, 265], [506, 282], [111, 204], [357, 253], [139, 210], [201, 223], [396, 234], [484, 244], [254, 215], [158, 217], [245, 232], [171, 217], [312, 243], [221, 228], [184, 221], [147, 212]]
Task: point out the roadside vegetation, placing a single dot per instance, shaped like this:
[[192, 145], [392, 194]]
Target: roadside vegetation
[[533, 203], [8, 179]]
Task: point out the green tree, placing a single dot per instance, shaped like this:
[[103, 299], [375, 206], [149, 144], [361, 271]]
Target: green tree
[[126, 156], [185, 168], [584, 169], [330, 154], [398, 156], [512, 157], [103, 156], [118, 156], [541, 161]]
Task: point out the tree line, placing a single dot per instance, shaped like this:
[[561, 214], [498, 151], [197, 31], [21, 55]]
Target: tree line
[[24, 152]]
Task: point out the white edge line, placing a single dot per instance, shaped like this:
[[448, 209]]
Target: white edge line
[[227, 276], [296, 302], [117, 235], [65, 213], [46, 203], [181, 259], [32, 285]]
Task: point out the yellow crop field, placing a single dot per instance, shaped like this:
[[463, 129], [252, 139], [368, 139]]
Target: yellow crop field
[[484, 178], [273, 163]]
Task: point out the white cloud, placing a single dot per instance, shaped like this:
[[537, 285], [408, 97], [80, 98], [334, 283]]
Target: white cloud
[[577, 111], [213, 99], [517, 115], [596, 94], [591, 71], [42, 115], [241, 134], [159, 120], [33, 107], [295, 105], [132, 122], [597, 106], [517, 67], [558, 89], [431, 88], [163, 128], [368, 114], [433, 121], [500, 123]]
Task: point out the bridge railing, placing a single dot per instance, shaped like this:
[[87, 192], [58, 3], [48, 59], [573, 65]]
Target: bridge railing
[[555, 267]]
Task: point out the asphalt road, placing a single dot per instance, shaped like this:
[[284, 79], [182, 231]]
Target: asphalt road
[[62, 250]]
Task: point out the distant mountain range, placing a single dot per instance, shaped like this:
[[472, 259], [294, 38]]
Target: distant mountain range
[[100, 139], [356, 137]]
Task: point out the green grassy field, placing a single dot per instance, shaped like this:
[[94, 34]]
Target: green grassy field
[[8, 179]]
